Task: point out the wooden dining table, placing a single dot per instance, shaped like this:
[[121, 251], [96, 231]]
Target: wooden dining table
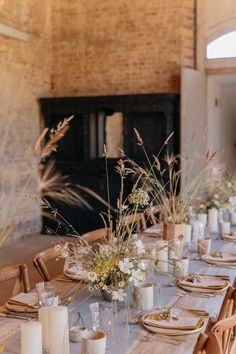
[[129, 338]]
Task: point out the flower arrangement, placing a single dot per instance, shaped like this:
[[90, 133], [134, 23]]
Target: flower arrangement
[[113, 265], [219, 187], [161, 178]]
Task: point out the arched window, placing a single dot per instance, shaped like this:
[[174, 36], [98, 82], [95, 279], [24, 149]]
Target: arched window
[[222, 47]]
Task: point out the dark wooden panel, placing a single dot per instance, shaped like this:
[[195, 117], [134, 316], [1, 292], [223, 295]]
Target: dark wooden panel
[[156, 116]]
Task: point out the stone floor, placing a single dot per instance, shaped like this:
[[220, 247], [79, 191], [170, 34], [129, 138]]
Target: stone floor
[[23, 251]]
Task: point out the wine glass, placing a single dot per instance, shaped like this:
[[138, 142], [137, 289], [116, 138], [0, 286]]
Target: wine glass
[[46, 294]]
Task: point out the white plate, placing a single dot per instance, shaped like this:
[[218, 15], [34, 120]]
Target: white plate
[[218, 263], [21, 308], [202, 290], [229, 238], [75, 276], [172, 332]]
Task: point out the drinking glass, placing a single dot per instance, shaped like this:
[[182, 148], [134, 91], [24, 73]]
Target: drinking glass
[[46, 294], [102, 316]]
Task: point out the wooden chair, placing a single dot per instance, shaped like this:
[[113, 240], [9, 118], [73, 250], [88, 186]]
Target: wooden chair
[[44, 257], [151, 215], [95, 235], [19, 272], [219, 339], [53, 253], [228, 304], [134, 223]]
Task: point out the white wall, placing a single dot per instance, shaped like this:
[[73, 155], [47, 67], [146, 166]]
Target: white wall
[[221, 117], [214, 139], [214, 17], [228, 125]]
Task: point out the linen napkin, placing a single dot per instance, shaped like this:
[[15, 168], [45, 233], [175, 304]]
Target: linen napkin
[[22, 299], [179, 320], [201, 281]]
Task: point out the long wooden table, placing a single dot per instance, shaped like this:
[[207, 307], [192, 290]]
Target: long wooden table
[[127, 339]]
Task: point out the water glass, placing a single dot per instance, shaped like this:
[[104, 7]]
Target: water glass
[[46, 294], [102, 316]]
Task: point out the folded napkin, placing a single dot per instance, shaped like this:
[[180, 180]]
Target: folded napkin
[[201, 281], [179, 320], [22, 299], [223, 257]]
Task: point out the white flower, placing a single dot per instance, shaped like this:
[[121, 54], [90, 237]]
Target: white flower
[[91, 288], [121, 284], [64, 253], [125, 265], [140, 247], [118, 295], [136, 275], [104, 249], [92, 276], [106, 288]]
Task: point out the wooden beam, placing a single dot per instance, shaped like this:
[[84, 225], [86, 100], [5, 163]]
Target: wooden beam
[[14, 33]]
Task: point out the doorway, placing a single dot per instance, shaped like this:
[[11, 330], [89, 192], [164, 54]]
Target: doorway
[[221, 118]]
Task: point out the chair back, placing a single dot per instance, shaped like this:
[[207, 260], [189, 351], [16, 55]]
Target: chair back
[[134, 223], [96, 235], [218, 339], [19, 272], [228, 305], [44, 257], [152, 215]]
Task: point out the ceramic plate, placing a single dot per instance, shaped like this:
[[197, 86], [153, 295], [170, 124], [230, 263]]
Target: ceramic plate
[[218, 263], [75, 276], [202, 290], [172, 332], [20, 308], [229, 238]]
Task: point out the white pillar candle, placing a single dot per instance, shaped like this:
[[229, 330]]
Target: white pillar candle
[[31, 338], [58, 330], [202, 217], [162, 255], [43, 319], [93, 342], [197, 230], [187, 233], [225, 227], [181, 267], [143, 295], [233, 217], [213, 220]]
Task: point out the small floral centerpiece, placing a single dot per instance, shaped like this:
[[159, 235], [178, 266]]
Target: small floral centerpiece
[[219, 187], [112, 265]]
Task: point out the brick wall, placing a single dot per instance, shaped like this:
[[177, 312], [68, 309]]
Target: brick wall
[[25, 75], [87, 47], [118, 46]]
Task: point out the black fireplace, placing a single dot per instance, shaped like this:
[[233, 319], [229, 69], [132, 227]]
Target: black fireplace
[[107, 120]]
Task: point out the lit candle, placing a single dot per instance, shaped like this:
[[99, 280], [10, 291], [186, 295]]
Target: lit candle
[[43, 319], [31, 338], [58, 330], [213, 220]]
